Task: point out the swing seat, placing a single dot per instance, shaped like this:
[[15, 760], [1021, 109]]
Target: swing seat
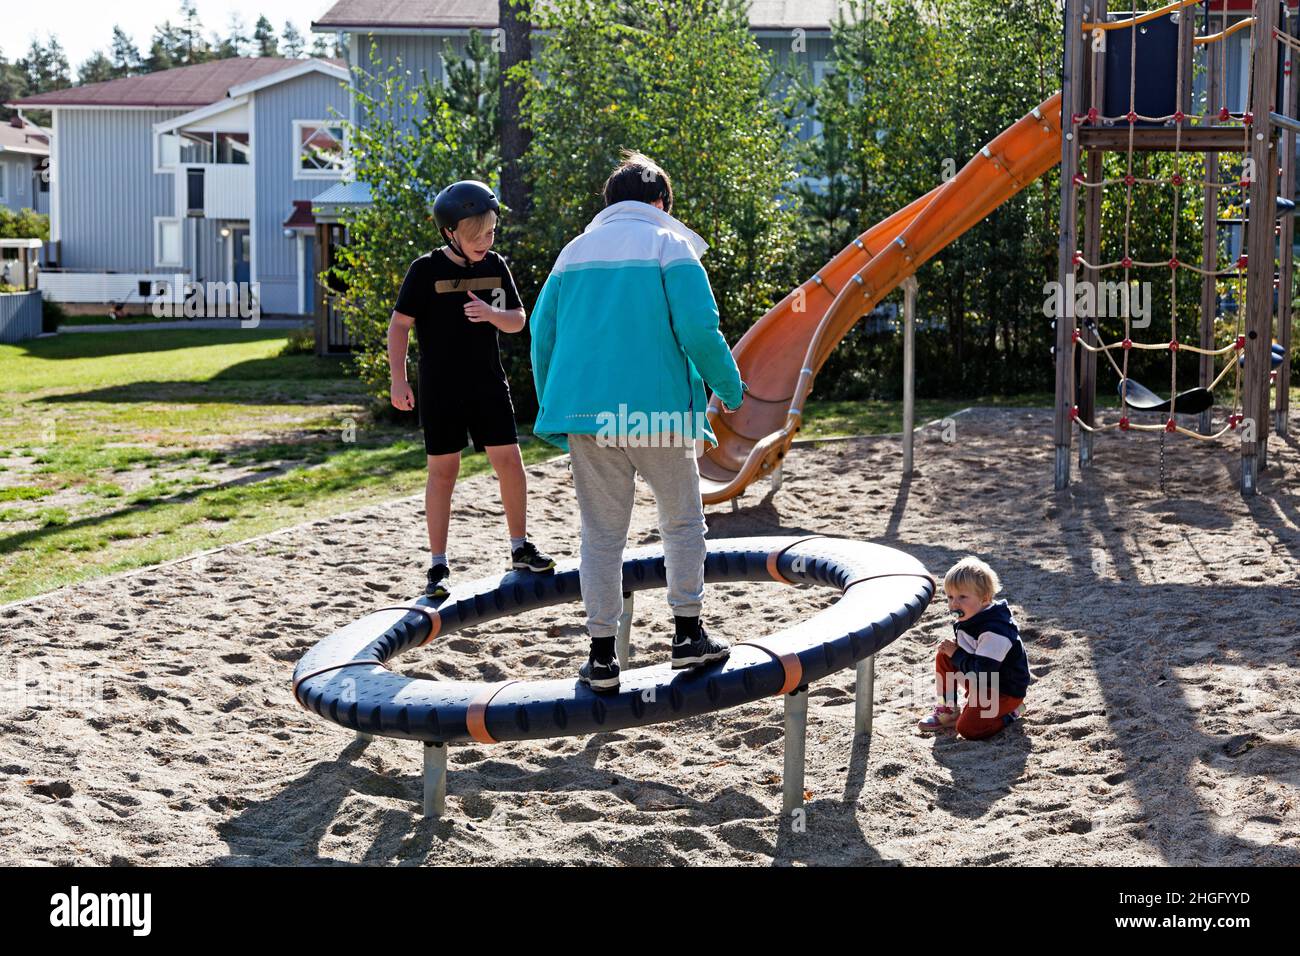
[[1191, 402]]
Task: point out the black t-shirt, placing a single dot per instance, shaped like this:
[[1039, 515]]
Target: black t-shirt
[[455, 352]]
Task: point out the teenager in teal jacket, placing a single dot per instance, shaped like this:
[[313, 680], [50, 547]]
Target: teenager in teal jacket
[[625, 339]]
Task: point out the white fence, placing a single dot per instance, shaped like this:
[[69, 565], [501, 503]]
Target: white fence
[[128, 288]]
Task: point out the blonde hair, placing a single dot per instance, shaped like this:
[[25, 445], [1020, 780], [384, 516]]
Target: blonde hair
[[471, 227], [971, 572]]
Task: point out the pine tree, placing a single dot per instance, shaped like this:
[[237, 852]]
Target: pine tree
[[264, 38], [236, 39], [292, 44], [125, 57], [96, 69], [323, 48]]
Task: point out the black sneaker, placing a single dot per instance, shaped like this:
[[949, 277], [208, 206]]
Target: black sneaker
[[600, 676], [438, 586], [528, 558], [698, 652]]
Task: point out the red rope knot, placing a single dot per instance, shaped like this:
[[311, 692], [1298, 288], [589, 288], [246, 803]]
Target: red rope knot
[[1177, 179], [1179, 116], [1123, 423], [1242, 261], [1126, 262], [1171, 425], [1078, 257], [1286, 68], [1132, 117], [1234, 421], [1075, 336], [1130, 179], [1241, 343], [1248, 117], [1079, 179], [1092, 115], [1128, 344], [1224, 115], [1074, 413], [1173, 346], [1245, 184], [1174, 263]]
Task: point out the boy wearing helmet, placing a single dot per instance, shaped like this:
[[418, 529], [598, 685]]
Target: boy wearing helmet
[[458, 298]]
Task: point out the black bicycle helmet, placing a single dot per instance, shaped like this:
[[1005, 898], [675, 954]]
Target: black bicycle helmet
[[461, 201]]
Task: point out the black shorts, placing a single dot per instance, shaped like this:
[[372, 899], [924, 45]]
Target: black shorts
[[452, 418]]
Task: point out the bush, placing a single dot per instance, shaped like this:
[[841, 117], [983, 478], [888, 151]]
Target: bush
[[24, 224], [301, 341], [52, 315]]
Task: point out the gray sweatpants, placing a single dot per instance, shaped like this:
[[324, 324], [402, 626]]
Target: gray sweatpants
[[604, 477]]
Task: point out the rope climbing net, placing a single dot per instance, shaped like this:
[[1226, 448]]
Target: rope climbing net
[[1179, 179]]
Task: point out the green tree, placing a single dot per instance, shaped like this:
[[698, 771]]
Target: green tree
[[24, 224], [292, 41], [409, 144], [96, 69], [235, 42], [125, 57], [13, 85], [684, 82], [264, 41]]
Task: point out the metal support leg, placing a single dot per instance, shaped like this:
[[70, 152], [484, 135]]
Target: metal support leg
[[778, 476], [735, 505], [796, 732], [435, 780], [623, 637], [864, 696]]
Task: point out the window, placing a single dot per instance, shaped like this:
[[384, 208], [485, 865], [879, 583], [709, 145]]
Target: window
[[318, 150], [167, 245]]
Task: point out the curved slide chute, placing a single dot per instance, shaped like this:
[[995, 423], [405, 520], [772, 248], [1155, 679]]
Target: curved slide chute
[[781, 354]]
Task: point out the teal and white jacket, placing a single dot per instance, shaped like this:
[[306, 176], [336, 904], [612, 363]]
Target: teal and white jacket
[[625, 332]]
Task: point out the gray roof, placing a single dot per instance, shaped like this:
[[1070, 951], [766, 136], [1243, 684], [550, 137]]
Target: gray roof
[[183, 87], [461, 14]]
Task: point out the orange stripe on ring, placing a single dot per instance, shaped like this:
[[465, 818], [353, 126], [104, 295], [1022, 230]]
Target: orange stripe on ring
[[476, 715], [790, 663], [775, 556]]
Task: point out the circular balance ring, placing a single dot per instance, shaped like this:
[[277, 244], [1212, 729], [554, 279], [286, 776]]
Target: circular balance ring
[[345, 677]]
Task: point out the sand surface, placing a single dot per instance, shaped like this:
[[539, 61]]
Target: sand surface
[[1162, 631]]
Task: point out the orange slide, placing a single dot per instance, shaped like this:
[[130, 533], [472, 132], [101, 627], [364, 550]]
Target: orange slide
[[780, 355]]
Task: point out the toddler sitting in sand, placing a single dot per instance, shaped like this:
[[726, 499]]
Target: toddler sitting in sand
[[987, 656]]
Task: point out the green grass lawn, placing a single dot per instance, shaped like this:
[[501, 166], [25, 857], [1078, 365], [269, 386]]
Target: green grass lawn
[[120, 450]]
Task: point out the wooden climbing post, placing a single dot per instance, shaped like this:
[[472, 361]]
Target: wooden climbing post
[[1096, 70], [1210, 237], [1071, 98], [1286, 280], [1260, 265]]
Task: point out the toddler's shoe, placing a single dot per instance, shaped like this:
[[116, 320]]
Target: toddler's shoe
[[528, 558], [942, 717], [1015, 715]]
